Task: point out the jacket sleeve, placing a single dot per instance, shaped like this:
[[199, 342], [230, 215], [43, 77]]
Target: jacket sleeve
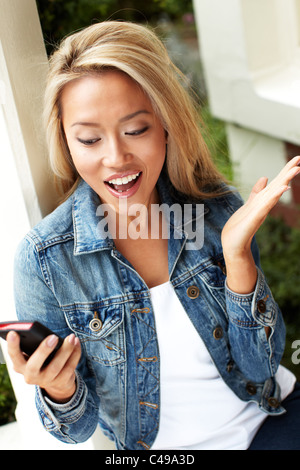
[[35, 300], [257, 355]]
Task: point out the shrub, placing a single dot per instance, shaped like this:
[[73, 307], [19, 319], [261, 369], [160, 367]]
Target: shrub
[[61, 17], [7, 397], [279, 248]]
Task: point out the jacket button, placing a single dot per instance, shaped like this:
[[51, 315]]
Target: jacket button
[[193, 292], [218, 332], [261, 306], [251, 389], [95, 324], [273, 402]]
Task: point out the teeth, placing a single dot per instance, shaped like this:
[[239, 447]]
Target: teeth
[[125, 180]]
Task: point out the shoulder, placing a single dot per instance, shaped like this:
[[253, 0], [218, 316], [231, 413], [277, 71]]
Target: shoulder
[[218, 210], [230, 200], [54, 228]]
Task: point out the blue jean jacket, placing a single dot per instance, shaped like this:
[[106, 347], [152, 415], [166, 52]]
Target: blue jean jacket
[[68, 272]]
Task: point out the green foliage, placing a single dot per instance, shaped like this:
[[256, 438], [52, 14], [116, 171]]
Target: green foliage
[[62, 17], [173, 8], [216, 140], [279, 249], [7, 397]]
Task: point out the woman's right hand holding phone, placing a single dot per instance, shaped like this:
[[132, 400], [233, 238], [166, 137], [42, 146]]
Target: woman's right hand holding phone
[[57, 379]]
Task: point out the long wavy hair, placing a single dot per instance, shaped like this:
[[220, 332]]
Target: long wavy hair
[[137, 51]]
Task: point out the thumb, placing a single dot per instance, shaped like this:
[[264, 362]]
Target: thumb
[[259, 186]]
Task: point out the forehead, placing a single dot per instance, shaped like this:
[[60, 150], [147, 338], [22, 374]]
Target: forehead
[[111, 92]]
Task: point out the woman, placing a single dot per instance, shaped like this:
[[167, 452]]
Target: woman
[[169, 343]]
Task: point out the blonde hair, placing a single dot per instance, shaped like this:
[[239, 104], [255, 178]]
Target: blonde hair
[[138, 52]]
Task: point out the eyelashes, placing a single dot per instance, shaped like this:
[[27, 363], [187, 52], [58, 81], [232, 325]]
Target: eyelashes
[[138, 132], [90, 142]]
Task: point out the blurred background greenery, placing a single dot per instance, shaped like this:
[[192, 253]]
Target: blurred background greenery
[[174, 23], [61, 17]]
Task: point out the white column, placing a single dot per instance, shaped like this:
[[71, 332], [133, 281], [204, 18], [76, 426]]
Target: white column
[[250, 52]]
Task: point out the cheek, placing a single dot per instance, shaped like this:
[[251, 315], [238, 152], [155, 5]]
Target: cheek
[[83, 162], [156, 148], [80, 162], [158, 153]]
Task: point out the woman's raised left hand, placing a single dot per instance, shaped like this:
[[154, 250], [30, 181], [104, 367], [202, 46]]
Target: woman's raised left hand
[[240, 229]]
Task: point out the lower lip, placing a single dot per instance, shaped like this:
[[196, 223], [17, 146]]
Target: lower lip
[[126, 194]]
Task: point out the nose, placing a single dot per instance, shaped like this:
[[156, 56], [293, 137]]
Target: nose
[[115, 153]]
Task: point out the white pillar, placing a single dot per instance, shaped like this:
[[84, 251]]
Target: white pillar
[[26, 190], [250, 52]]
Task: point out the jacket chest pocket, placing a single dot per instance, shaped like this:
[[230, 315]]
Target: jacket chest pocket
[[100, 330], [214, 277]]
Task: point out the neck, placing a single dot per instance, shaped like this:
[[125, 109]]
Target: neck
[[137, 220]]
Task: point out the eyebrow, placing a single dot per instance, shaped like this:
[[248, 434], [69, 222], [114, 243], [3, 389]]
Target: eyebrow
[[123, 119], [133, 115]]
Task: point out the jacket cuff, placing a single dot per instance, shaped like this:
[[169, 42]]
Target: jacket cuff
[[255, 309], [53, 415]]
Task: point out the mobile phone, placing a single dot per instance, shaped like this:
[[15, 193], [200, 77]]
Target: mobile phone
[[31, 336]]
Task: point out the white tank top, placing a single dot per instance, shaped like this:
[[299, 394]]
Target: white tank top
[[198, 410]]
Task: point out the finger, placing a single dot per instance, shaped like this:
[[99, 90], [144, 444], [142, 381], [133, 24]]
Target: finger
[[290, 170], [76, 355], [67, 356], [269, 200], [292, 173], [46, 347], [15, 353], [252, 215], [33, 373], [260, 184], [295, 161], [257, 188], [68, 371], [70, 352], [286, 177]]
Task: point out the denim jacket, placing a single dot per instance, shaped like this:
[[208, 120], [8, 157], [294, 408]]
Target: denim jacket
[[69, 273]]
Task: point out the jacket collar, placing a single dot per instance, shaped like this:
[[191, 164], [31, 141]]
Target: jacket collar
[[88, 237], [89, 233]]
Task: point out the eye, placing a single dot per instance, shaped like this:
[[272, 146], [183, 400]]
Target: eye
[[138, 132], [88, 142]]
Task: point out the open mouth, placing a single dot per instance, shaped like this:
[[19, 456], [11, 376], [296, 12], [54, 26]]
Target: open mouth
[[124, 186]]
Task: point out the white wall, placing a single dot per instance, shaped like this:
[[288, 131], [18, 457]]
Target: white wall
[[250, 52]]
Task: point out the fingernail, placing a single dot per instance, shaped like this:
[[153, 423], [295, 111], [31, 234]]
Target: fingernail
[[72, 339], [51, 341], [12, 336]]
